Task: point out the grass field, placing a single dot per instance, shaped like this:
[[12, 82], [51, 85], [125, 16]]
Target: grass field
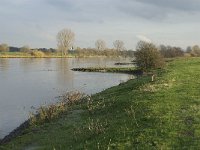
[[138, 114]]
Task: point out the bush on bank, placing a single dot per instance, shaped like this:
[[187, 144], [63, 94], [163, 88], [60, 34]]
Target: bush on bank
[[148, 57]]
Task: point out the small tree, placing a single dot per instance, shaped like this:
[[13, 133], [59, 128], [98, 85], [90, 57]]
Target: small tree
[[148, 57], [65, 39], [100, 44], [25, 49], [195, 51], [4, 47], [189, 49]]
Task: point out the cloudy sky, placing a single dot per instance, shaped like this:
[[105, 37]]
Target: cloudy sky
[[36, 22]]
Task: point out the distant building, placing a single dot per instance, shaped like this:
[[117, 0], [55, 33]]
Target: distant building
[[72, 50]]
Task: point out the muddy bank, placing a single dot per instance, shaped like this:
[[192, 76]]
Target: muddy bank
[[16, 132], [121, 64]]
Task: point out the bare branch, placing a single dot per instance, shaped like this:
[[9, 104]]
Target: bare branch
[[119, 45], [65, 40], [100, 44]]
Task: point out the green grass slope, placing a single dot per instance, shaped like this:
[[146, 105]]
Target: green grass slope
[[138, 114]]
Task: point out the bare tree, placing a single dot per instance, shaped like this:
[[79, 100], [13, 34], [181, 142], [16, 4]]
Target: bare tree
[[195, 51], [100, 44], [4, 47], [188, 49], [65, 40], [118, 45]]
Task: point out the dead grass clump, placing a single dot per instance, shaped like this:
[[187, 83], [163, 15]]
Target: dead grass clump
[[47, 113], [96, 126], [72, 97], [37, 53], [148, 88], [154, 87]]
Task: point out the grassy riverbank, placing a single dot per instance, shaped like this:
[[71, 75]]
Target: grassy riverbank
[[138, 114]]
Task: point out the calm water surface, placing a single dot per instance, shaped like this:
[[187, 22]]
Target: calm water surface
[[33, 82]]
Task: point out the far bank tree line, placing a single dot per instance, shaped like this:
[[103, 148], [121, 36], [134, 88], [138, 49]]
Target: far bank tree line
[[65, 46], [65, 43]]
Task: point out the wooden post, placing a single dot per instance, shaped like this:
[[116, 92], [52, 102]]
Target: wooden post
[[152, 77]]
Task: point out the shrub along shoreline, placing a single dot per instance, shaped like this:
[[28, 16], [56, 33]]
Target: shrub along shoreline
[[140, 114]]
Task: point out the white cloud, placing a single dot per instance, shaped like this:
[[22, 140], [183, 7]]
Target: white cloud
[[144, 38]]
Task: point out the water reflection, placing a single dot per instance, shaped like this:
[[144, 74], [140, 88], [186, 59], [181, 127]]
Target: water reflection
[[64, 73], [47, 62], [4, 64], [27, 64]]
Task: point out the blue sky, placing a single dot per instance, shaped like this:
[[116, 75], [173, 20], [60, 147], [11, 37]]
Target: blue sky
[[36, 22]]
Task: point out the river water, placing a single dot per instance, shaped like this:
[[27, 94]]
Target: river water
[[30, 82]]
